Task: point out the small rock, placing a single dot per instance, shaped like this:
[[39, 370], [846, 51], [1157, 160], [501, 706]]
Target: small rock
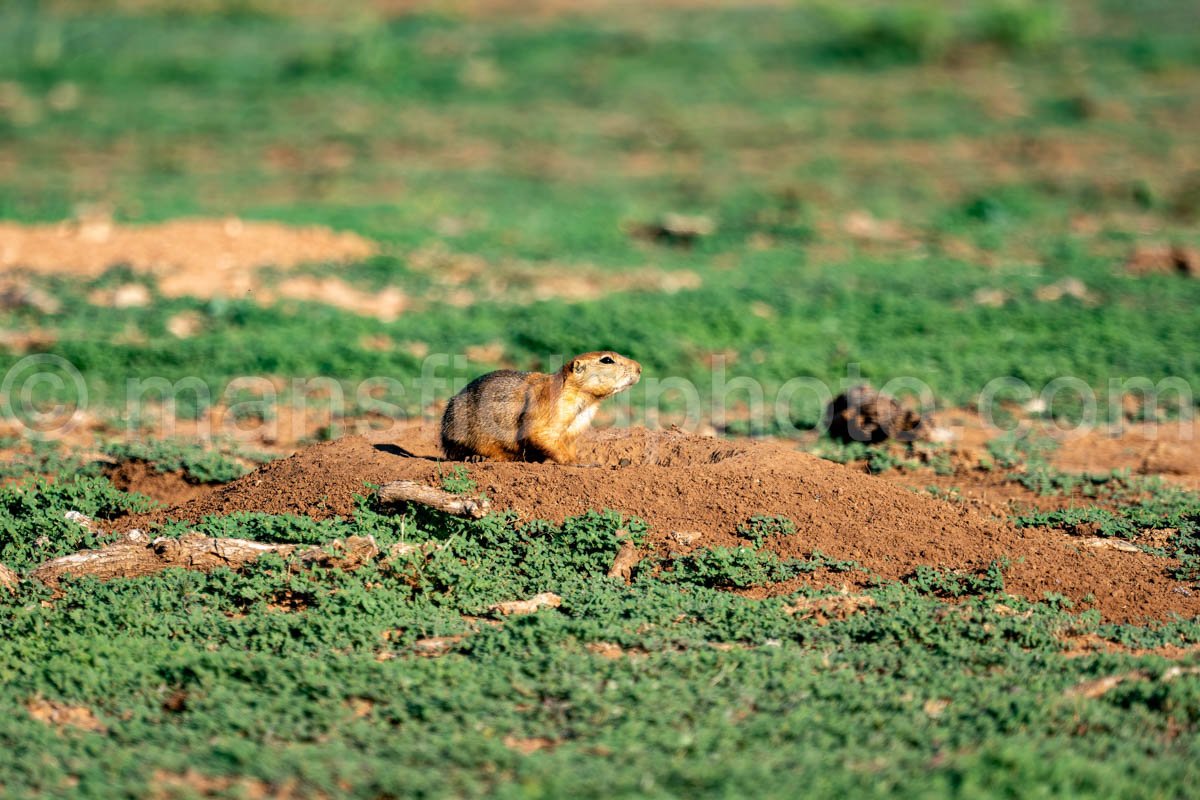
[[185, 324], [942, 435], [1067, 287], [685, 538], [935, 707], [64, 715], [80, 519], [436, 645], [676, 229], [131, 295], [991, 298], [528, 746], [864, 225], [535, 603]]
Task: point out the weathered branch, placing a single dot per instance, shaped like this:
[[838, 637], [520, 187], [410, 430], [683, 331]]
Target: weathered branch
[[8, 578], [627, 558], [457, 505], [138, 556]]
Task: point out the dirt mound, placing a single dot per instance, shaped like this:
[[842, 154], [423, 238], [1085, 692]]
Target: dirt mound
[[705, 488]]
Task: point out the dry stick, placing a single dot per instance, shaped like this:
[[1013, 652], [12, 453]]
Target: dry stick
[[627, 558], [398, 492], [8, 579], [136, 556]]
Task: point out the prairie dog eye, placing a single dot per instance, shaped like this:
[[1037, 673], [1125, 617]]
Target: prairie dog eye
[[607, 360]]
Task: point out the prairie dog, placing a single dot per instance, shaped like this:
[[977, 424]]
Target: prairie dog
[[533, 416]]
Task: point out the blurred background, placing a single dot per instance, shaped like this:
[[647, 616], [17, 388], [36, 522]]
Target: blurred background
[[951, 192]]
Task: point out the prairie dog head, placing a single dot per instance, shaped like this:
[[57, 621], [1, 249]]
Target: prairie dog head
[[602, 373]]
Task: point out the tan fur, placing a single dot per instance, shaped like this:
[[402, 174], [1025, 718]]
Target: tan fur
[[533, 416]]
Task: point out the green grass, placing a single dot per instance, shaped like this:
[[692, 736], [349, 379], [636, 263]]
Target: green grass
[[537, 166], [831, 324], [716, 693]]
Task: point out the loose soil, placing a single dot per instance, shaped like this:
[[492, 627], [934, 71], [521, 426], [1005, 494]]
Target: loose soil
[[190, 257], [460, 278], [227, 257], [169, 488], [695, 491]]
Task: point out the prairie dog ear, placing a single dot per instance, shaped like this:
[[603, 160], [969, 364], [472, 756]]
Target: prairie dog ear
[[577, 366]]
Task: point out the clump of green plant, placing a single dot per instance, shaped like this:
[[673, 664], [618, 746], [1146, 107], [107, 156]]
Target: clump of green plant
[[950, 583], [938, 458], [906, 32], [198, 463], [1091, 521], [44, 457], [878, 458], [760, 529], [1043, 479], [459, 481], [588, 543], [288, 664], [950, 495], [478, 562], [1018, 449], [1019, 26], [740, 567], [916, 31]]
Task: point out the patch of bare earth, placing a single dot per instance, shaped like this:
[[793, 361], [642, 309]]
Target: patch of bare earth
[[462, 277], [705, 488], [193, 257], [226, 258], [64, 715], [1092, 644], [193, 783], [1167, 450], [386, 305], [1164, 450]]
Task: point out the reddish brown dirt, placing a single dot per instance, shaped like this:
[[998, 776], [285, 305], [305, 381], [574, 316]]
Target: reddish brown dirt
[[193, 257], [170, 488], [678, 482]]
